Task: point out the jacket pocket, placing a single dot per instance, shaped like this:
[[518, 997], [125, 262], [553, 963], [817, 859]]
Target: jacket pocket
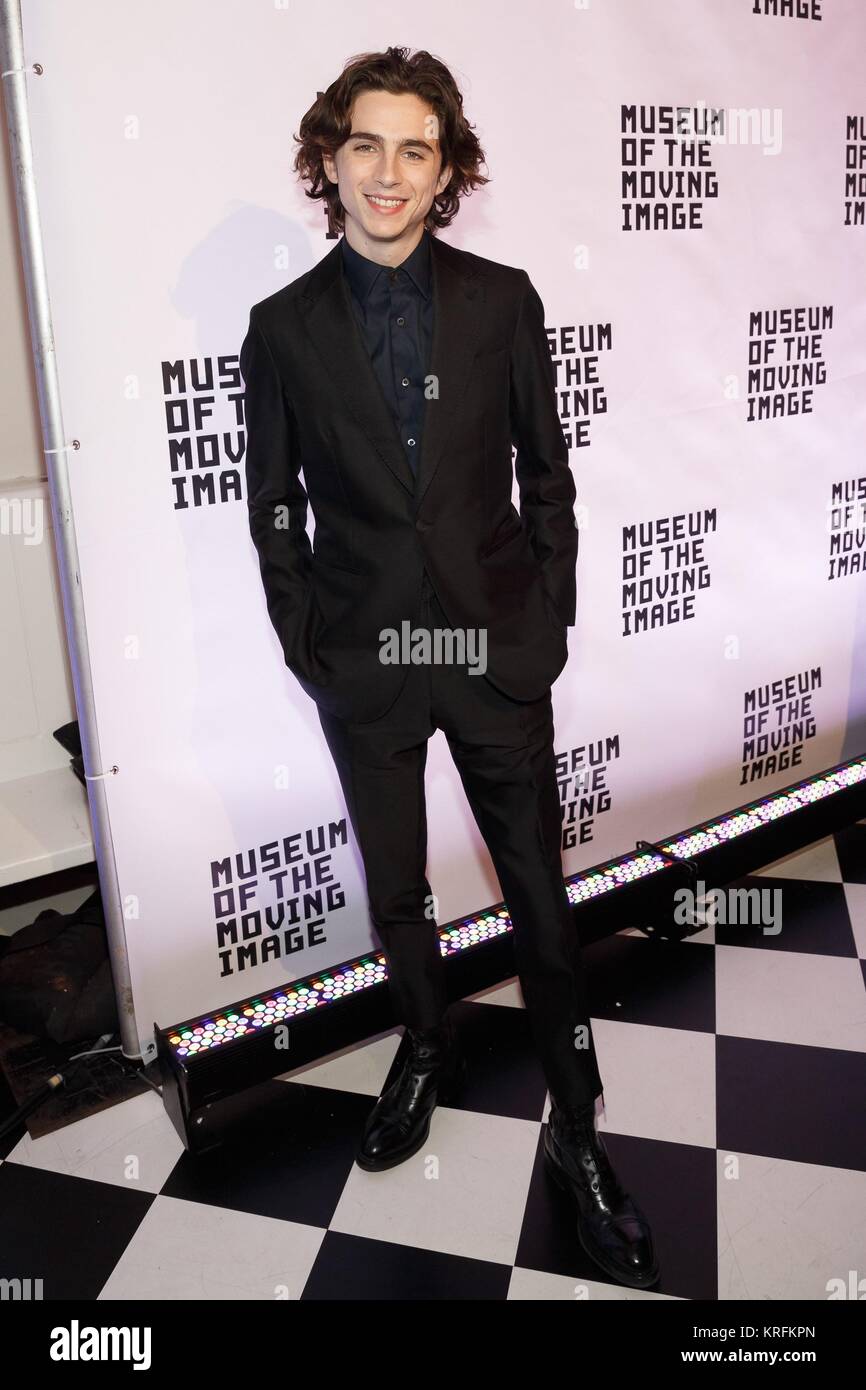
[[319, 563]]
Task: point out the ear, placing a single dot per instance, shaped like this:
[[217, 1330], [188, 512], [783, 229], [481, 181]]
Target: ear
[[329, 164], [444, 176]]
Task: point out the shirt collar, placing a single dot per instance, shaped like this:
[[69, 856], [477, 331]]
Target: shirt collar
[[362, 273]]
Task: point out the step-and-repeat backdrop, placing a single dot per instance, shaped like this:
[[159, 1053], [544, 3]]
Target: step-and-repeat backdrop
[[685, 182]]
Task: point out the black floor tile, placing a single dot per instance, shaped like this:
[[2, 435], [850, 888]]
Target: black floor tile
[[291, 1163], [352, 1267], [675, 1187], [662, 983], [851, 849], [812, 916], [504, 1073], [68, 1232], [804, 1104]]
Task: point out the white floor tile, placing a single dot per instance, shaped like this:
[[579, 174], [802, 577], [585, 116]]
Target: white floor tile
[[360, 1068], [855, 898], [463, 1193], [787, 1229], [189, 1250], [659, 1083], [818, 861], [133, 1144], [508, 995], [790, 996], [536, 1286]]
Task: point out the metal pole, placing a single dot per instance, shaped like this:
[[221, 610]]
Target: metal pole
[[56, 447]]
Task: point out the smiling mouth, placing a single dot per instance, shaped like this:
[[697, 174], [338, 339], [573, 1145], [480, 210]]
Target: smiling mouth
[[381, 202]]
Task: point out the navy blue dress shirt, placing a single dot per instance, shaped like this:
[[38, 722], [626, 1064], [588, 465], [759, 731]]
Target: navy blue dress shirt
[[394, 310]]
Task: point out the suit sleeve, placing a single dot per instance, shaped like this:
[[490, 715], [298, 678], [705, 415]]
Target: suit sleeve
[[544, 477], [276, 498]]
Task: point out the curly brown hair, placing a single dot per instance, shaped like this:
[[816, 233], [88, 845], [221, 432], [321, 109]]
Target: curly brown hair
[[328, 123]]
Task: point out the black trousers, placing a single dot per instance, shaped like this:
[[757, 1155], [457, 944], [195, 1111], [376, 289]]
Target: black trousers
[[503, 751]]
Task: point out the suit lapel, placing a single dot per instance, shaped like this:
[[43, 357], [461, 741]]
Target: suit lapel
[[458, 300], [334, 332]]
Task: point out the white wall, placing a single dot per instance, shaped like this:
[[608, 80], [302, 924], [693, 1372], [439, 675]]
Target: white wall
[[44, 820]]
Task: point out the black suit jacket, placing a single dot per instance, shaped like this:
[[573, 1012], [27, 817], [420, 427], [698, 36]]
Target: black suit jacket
[[313, 404]]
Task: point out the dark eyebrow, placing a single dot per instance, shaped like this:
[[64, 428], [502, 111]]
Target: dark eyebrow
[[367, 135]]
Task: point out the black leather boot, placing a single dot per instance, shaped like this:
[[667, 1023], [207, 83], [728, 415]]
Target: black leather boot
[[610, 1225], [399, 1123]]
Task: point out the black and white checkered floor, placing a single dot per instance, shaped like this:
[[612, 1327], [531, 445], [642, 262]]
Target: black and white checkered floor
[[734, 1067]]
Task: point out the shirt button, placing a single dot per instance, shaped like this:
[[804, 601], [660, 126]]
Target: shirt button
[[405, 381], [410, 441], [400, 322]]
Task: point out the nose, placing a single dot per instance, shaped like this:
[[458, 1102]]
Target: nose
[[387, 174]]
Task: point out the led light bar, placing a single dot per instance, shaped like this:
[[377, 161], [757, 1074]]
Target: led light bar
[[265, 1010], [768, 808], [189, 1045]]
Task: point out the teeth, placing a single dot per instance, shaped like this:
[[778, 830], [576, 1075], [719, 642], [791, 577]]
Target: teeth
[[386, 202]]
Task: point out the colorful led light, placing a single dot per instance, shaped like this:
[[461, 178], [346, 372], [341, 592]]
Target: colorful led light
[[264, 1011]]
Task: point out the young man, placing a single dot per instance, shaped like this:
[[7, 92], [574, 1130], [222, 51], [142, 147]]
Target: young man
[[398, 372]]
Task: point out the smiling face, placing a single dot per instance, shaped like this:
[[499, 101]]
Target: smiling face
[[388, 172]]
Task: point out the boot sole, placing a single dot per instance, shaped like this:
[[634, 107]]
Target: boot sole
[[634, 1281]]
